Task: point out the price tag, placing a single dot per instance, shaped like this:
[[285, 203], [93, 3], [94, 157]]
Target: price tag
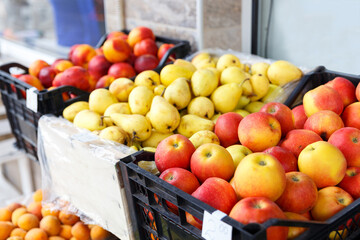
[[32, 99], [85, 137], [213, 228]]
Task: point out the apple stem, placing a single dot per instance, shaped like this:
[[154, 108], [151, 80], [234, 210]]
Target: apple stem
[[172, 58]]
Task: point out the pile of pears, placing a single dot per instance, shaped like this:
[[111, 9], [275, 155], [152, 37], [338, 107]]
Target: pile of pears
[[185, 98]]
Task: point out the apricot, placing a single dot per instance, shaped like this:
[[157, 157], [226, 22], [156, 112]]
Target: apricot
[[28, 221], [80, 231], [18, 232], [15, 238], [35, 208], [51, 225], [56, 238], [47, 209], [36, 234], [37, 195], [65, 231], [5, 229], [98, 233], [5, 214], [68, 218], [17, 214], [13, 206]]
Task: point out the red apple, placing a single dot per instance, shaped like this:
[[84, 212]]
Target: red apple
[[145, 62], [116, 50], [36, 66], [322, 98], [212, 160], [259, 131], [259, 210], [259, 175], [285, 157], [295, 231], [298, 186], [351, 114], [331, 200], [351, 182], [347, 140], [174, 151], [307, 215], [121, 69], [216, 192], [299, 116], [104, 81], [98, 67], [47, 76], [226, 128], [182, 179], [323, 162], [296, 140], [282, 113], [163, 49], [357, 92], [324, 123], [345, 88], [139, 33], [146, 46]]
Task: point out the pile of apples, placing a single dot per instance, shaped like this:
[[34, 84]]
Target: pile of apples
[[89, 68], [42, 222], [300, 164]]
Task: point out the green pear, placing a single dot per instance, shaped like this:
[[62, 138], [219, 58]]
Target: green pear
[[228, 60], [89, 119], [148, 78], [232, 74], [254, 106], [70, 111], [114, 133], [259, 67], [281, 72], [172, 72], [140, 99], [190, 124], [274, 94], [163, 116], [202, 107], [178, 93], [155, 138], [242, 112], [260, 86], [204, 136], [122, 107], [215, 117], [243, 101], [137, 126], [226, 97], [238, 152], [100, 99], [203, 82]]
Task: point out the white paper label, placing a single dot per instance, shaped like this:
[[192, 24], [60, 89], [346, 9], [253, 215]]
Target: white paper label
[[213, 228], [84, 137], [32, 99]]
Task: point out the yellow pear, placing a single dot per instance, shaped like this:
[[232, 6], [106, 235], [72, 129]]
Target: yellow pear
[[159, 90], [149, 149], [155, 138], [199, 57], [148, 78], [114, 133], [70, 111], [202, 107], [137, 126], [238, 152], [190, 124], [216, 72], [274, 94], [171, 72], [178, 93], [215, 117], [254, 106], [186, 64], [122, 107], [90, 120], [247, 88], [243, 101], [228, 60], [282, 72], [121, 88], [204, 136], [205, 63], [226, 97], [203, 82], [163, 116], [260, 86], [140, 100], [259, 67], [100, 99], [242, 112], [232, 74]]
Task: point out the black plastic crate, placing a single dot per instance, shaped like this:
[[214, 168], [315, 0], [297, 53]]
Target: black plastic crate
[[318, 77], [154, 220]]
